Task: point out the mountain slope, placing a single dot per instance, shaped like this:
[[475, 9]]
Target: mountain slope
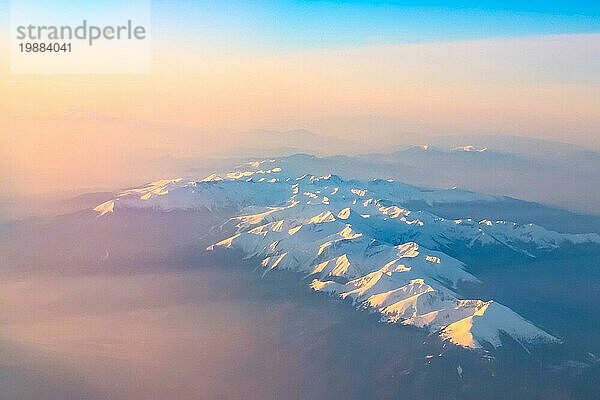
[[356, 240]]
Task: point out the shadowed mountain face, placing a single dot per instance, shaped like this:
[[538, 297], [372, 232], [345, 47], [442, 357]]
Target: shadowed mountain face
[[191, 322], [160, 310], [356, 240]]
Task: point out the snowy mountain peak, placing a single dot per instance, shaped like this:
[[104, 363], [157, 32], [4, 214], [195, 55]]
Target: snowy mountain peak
[[469, 148], [359, 240]]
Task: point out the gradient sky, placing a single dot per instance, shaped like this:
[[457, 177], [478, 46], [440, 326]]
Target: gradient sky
[[294, 25], [337, 68]]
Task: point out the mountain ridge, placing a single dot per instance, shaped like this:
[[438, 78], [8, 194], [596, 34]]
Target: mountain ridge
[[356, 240]]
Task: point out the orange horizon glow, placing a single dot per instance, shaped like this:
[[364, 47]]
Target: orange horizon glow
[[82, 131]]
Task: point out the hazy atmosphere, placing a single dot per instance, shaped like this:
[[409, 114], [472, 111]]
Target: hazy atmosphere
[[373, 75], [300, 200]]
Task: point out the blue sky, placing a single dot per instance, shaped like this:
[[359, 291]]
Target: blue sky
[[307, 24], [291, 24]]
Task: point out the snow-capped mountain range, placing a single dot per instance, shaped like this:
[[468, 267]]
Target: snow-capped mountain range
[[358, 241]]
